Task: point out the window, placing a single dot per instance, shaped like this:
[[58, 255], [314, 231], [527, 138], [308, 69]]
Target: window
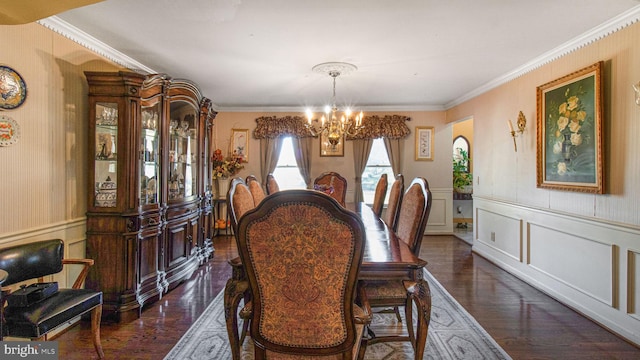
[[377, 164], [286, 173]]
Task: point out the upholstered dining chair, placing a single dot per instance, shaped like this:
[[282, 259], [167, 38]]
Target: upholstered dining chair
[[36, 320], [379, 195], [302, 252], [412, 220], [395, 199], [239, 202], [272, 184], [255, 188], [333, 184]]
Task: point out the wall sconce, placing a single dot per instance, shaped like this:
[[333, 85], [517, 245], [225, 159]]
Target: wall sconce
[[636, 88], [521, 123]]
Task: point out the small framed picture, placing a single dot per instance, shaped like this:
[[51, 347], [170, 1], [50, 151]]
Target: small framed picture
[[424, 143], [331, 146], [240, 143]]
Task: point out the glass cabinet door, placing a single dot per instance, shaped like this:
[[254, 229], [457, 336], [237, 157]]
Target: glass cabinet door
[[150, 156], [183, 150], [106, 157]]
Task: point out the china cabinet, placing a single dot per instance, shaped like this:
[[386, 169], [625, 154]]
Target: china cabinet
[[149, 218]]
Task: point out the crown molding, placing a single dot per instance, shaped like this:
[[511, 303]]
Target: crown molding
[[607, 28], [299, 109], [72, 33]]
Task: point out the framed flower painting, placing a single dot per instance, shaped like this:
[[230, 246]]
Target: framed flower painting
[[569, 137]]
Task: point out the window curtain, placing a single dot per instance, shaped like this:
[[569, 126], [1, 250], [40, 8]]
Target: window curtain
[[361, 151], [394, 149], [269, 154], [270, 130], [302, 149]]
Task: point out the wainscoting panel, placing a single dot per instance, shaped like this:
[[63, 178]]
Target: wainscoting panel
[[578, 261], [441, 216], [501, 232], [588, 264], [633, 283]]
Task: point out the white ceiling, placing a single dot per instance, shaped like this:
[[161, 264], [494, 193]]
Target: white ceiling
[[410, 54]]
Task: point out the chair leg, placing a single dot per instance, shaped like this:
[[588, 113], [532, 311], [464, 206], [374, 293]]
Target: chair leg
[[397, 311], [408, 315], [96, 315], [421, 295], [233, 292]]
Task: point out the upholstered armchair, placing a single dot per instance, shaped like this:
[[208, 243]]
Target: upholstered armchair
[[36, 320], [378, 197], [302, 252], [333, 184]]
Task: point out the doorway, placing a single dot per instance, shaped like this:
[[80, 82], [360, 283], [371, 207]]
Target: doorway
[[462, 156]]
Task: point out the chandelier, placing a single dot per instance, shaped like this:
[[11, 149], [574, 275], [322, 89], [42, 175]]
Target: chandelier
[[334, 124]]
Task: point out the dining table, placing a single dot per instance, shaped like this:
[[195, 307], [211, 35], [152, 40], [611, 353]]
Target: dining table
[[386, 257]]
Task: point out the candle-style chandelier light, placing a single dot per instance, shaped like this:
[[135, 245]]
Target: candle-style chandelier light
[[335, 124]]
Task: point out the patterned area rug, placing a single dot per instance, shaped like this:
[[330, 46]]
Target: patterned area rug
[[453, 334]]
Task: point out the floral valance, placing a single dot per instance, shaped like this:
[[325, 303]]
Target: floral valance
[[272, 127], [388, 126], [373, 127]]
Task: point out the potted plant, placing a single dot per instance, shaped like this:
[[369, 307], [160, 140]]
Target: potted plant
[[462, 177]]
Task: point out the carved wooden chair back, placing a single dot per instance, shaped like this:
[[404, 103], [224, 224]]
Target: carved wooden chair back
[[414, 214], [380, 194], [395, 200], [333, 184], [302, 252], [255, 188], [272, 185]]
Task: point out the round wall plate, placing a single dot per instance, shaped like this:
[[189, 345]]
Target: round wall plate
[[13, 90], [9, 131]]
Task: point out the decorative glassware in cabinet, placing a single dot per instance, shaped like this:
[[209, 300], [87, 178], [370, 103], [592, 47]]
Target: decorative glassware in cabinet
[[149, 157], [182, 151], [106, 157]]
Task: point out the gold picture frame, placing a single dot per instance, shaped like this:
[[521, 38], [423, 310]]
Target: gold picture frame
[[424, 143], [328, 149], [240, 143], [569, 134]]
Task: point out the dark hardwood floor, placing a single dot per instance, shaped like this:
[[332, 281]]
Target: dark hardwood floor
[[525, 322]]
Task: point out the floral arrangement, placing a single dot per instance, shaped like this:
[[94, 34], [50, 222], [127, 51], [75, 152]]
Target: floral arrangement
[[327, 189], [224, 167], [568, 130]]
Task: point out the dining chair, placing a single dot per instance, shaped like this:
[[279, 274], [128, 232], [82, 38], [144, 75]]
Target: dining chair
[[239, 202], [272, 184], [302, 252], [23, 319], [333, 184], [412, 220], [255, 188], [395, 199], [379, 195]]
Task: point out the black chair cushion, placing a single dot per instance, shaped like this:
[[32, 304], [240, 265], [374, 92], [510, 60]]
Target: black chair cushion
[[41, 317]]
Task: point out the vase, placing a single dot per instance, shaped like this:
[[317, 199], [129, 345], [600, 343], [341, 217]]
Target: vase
[[222, 187], [566, 147]]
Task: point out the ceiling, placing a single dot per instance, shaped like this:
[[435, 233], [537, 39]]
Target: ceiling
[[412, 54]]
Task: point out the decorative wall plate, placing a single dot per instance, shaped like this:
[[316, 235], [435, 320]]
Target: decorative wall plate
[[9, 131], [13, 90]]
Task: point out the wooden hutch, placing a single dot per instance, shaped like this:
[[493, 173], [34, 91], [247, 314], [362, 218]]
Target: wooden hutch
[[149, 212]]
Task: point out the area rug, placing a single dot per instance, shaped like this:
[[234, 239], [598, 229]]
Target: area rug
[[453, 334]]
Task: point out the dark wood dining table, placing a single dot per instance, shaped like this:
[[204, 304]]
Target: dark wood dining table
[[386, 257]]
